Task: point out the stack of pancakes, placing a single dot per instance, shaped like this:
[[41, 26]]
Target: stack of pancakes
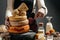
[[19, 22]]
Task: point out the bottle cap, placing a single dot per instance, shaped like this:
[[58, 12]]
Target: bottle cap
[[41, 23]]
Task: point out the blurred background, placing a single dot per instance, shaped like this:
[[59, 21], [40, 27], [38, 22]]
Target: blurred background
[[53, 10]]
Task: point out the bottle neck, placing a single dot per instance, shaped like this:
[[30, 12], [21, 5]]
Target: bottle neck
[[41, 28]]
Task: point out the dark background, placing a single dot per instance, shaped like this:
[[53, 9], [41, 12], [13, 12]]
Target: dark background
[[53, 10]]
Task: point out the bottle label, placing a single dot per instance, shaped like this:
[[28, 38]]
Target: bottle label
[[41, 32]]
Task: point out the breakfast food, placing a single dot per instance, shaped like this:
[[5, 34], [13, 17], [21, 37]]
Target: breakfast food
[[19, 12], [21, 29], [3, 28], [17, 18], [22, 13], [23, 7], [19, 22], [39, 37], [52, 31], [15, 12], [47, 33]]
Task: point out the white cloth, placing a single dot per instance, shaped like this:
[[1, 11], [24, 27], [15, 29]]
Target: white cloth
[[41, 10], [8, 13], [40, 4], [44, 11]]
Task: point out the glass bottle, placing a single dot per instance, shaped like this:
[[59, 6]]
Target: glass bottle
[[40, 34], [49, 26]]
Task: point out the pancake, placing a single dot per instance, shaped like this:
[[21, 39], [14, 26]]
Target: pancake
[[21, 29], [19, 23], [17, 18]]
